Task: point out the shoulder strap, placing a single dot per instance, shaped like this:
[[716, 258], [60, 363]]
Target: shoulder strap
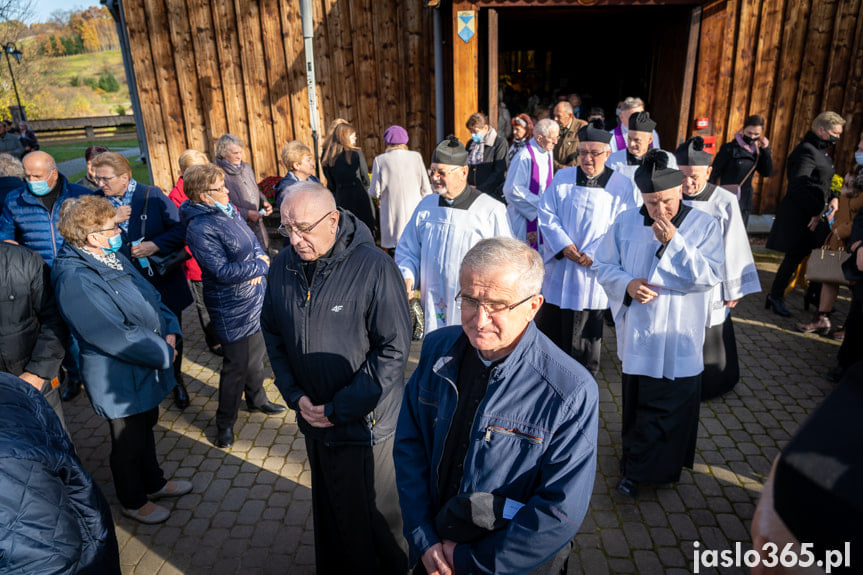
[[754, 165], [144, 213]]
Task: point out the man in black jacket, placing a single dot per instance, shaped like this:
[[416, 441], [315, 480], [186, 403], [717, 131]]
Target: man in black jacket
[[31, 329], [335, 321]]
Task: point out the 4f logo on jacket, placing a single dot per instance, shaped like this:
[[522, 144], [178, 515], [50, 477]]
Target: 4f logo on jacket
[[337, 308]]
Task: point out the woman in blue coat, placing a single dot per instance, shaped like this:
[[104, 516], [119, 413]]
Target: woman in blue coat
[[127, 338], [233, 268], [149, 225]]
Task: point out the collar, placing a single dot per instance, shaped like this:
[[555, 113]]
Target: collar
[[463, 201], [676, 220], [632, 160], [599, 181], [703, 195]]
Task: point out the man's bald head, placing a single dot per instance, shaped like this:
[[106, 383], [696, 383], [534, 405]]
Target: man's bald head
[[310, 220], [39, 166]]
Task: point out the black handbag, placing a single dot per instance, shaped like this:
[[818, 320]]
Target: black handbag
[[163, 264]]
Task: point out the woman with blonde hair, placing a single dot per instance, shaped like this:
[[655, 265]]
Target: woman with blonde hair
[[348, 174], [128, 339]]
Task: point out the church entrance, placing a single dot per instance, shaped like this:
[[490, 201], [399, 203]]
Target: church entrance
[[602, 53]]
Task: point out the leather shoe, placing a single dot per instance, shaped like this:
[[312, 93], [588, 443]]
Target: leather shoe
[[268, 408], [778, 305], [71, 390], [181, 395], [225, 437], [628, 487], [156, 514]]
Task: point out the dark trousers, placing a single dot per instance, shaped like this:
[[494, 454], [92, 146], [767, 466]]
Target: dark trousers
[[578, 333], [133, 458], [242, 369], [721, 365], [52, 396], [660, 426], [210, 336], [786, 271], [70, 360], [852, 345], [358, 525]]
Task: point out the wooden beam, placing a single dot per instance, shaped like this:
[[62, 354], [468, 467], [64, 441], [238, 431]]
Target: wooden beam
[[295, 61], [208, 77], [744, 64], [419, 121], [465, 70], [148, 92], [781, 139], [278, 84], [726, 71], [365, 34], [852, 103], [338, 28], [228, 50], [391, 102], [841, 51], [493, 68], [764, 85], [704, 103], [684, 125]]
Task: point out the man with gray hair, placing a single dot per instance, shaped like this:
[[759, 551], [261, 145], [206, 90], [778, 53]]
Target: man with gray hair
[[575, 212], [335, 322], [529, 175], [495, 449], [629, 106], [11, 175]]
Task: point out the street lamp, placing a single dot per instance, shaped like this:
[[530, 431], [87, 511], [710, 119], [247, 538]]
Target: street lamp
[[11, 50]]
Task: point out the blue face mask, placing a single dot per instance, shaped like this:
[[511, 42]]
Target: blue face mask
[[39, 188], [476, 138], [114, 243], [858, 157]]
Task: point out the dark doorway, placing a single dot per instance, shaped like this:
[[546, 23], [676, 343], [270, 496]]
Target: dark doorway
[[603, 54]]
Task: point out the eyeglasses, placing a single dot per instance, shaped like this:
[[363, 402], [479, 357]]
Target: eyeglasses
[[470, 305], [288, 231], [214, 190], [586, 153], [99, 179], [442, 173], [116, 228]]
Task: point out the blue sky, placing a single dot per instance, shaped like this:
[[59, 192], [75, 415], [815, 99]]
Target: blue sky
[[42, 9]]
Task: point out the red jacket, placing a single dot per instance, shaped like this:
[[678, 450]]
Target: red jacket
[[190, 266]]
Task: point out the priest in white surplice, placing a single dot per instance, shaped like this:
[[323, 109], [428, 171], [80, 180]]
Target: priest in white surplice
[[639, 139], [721, 368], [629, 106], [658, 265], [529, 175], [574, 214], [444, 226]]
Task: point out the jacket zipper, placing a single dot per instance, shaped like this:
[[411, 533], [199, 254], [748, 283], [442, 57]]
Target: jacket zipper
[[449, 427]]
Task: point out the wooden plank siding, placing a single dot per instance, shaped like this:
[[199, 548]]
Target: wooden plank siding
[[205, 68]]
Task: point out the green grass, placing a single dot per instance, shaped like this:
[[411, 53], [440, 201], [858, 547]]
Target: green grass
[[63, 152], [139, 172]]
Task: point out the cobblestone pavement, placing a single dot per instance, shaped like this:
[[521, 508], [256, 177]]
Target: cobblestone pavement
[[250, 510]]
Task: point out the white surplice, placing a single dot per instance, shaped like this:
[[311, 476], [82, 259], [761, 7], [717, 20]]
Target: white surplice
[[663, 337], [617, 162], [625, 131], [522, 203], [741, 276], [573, 214], [433, 244]]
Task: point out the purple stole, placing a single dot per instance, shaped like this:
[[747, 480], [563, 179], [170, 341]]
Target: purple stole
[[619, 139], [534, 239]]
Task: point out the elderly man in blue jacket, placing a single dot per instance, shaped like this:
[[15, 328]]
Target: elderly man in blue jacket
[[496, 442], [29, 216]]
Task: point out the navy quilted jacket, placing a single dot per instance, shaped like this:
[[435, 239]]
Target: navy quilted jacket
[[53, 518], [26, 220], [227, 251]]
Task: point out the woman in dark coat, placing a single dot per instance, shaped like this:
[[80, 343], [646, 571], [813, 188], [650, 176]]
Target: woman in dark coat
[[151, 227], [486, 157], [810, 171], [348, 175], [242, 186], [233, 269], [127, 337], [734, 160]]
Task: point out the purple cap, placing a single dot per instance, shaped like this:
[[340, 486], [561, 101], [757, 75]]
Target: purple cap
[[395, 135]]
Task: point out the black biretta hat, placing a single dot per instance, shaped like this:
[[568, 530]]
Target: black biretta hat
[[641, 122], [450, 152], [654, 175], [594, 132], [691, 153]]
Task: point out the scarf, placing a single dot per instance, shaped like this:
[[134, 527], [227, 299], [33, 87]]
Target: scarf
[[476, 152], [124, 200], [111, 260], [516, 147], [751, 148]]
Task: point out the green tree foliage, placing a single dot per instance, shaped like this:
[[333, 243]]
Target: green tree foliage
[[84, 31], [108, 82]]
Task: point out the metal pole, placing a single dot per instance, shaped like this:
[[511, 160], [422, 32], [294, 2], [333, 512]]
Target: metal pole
[[308, 35], [14, 84]]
